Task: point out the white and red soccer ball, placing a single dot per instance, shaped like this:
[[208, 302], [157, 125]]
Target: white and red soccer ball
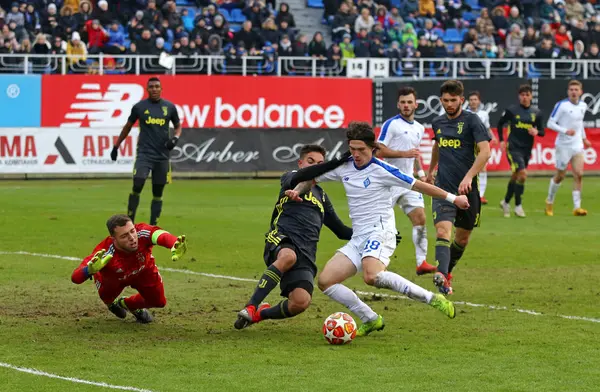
[[339, 328]]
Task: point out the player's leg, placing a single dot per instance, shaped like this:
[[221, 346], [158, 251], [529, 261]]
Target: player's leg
[[444, 214], [109, 292], [577, 163], [151, 294], [160, 178], [466, 221], [414, 207], [339, 268], [562, 161], [510, 189], [483, 184], [519, 190], [141, 171], [297, 286]]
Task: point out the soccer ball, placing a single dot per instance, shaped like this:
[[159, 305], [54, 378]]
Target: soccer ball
[[339, 328]]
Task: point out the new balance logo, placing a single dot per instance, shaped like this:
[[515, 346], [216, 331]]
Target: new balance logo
[[94, 108]]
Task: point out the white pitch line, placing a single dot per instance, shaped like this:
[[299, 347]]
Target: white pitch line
[[71, 379], [494, 307]]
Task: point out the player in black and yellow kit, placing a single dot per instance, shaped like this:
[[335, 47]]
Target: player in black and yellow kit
[[524, 124], [153, 149], [460, 152], [291, 243]]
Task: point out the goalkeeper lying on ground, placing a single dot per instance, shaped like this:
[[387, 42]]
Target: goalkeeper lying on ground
[[125, 259]]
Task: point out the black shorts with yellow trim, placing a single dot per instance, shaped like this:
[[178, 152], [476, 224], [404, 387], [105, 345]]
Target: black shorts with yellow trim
[[518, 158], [160, 168], [301, 275], [443, 210]]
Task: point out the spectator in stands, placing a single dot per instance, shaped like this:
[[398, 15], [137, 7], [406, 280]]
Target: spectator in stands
[[135, 25], [545, 51], [579, 50], [428, 31], [579, 32], [285, 47], [471, 37], [561, 36], [376, 48], [74, 4], [487, 37], [145, 43], [365, 20], [342, 22], [256, 13], [594, 52], [514, 41], [248, 36], [470, 52], [200, 45], [317, 47], [76, 52], [394, 53], [97, 36], [269, 31], [395, 34], [347, 48], [334, 56], [220, 28], [14, 15], [530, 40], [132, 49], [67, 20], [484, 20], [284, 29], [103, 14], [301, 46], [41, 46], [564, 54], [330, 8], [499, 20], [32, 19], [284, 14], [201, 30], [595, 34], [116, 40], [546, 32], [515, 18], [425, 50], [548, 13], [409, 52], [172, 15], [58, 46], [152, 17], [384, 18], [409, 35], [378, 33], [410, 10], [370, 4], [215, 45], [362, 44], [427, 8], [574, 10], [84, 14]]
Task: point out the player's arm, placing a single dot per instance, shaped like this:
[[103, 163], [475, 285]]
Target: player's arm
[[334, 223], [418, 169], [482, 138], [133, 117], [505, 119], [303, 179], [553, 121], [160, 237], [172, 142], [91, 265]]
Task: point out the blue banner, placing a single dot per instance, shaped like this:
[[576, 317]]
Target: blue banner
[[20, 100]]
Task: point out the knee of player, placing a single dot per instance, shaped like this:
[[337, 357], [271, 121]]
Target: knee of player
[[299, 304], [559, 178], [160, 303], [441, 232], [462, 242], [522, 175], [324, 283], [286, 259], [369, 278]]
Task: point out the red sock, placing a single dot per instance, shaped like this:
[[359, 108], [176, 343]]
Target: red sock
[[135, 302]]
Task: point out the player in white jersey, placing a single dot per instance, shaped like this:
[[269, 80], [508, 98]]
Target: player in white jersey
[[399, 141], [475, 107], [369, 183], [567, 120]]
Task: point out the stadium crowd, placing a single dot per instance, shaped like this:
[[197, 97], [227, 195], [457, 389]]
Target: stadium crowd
[[396, 29]]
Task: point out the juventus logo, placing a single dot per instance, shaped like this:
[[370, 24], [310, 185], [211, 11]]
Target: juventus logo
[[460, 127], [262, 284]]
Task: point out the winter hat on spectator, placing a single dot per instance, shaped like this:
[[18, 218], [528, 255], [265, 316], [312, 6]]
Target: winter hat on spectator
[[139, 14], [51, 6], [103, 5], [160, 41], [219, 18], [75, 36], [347, 36]]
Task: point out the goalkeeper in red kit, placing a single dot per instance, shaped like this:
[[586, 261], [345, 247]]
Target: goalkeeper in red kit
[[125, 259]]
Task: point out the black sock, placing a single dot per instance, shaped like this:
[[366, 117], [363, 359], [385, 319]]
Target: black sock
[[279, 311], [268, 281], [519, 190], [510, 190], [456, 252], [442, 255], [155, 209], [132, 205]]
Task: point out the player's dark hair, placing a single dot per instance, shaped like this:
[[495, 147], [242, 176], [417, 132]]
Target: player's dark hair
[[407, 90], [308, 148], [115, 221], [574, 82], [153, 79], [525, 88], [358, 130], [452, 87], [475, 93]]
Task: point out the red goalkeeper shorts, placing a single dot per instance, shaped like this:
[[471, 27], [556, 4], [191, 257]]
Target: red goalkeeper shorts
[[148, 283]]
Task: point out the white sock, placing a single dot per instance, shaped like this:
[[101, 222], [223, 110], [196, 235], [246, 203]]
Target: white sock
[[392, 281], [348, 298], [577, 199], [419, 237], [552, 190], [482, 183]]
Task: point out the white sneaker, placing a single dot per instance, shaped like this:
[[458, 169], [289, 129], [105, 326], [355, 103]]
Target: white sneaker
[[519, 211], [505, 208]]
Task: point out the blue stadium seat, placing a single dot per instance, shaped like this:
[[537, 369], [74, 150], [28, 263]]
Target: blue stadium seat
[[452, 36], [225, 14], [396, 3], [474, 4], [237, 16], [469, 16], [184, 2], [315, 3], [234, 28]]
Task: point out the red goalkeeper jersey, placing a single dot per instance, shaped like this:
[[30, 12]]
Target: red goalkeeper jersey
[[124, 267]]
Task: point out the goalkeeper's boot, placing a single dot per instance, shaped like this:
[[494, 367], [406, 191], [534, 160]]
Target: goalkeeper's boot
[[579, 212], [426, 268], [249, 315], [442, 283], [375, 325], [117, 309], [142, 316], [443, 305]]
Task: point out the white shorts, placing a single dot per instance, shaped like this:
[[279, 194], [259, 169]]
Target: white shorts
[[379, 244], [407, 200], [564, 154]]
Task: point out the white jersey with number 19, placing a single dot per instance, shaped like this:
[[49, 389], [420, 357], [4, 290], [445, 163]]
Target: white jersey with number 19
[[369, 193], [399, 134]]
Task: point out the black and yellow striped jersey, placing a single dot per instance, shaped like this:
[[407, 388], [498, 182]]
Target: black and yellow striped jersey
[[301, 222]]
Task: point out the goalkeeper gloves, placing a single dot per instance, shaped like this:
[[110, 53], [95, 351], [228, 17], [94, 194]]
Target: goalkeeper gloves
[[171, 143], [114, 153], [98, 262], [179, 248]]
